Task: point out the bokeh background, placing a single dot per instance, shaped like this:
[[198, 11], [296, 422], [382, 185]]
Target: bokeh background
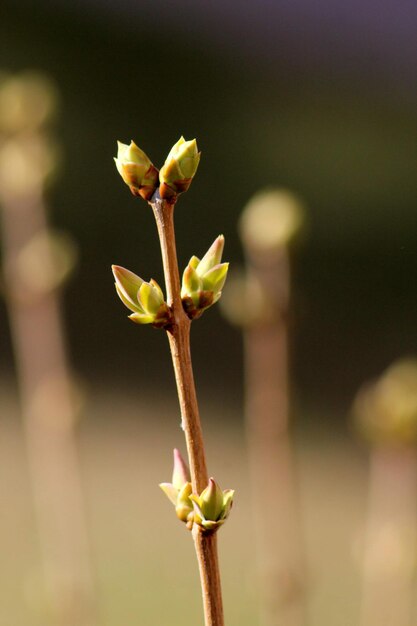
[[317, 97]]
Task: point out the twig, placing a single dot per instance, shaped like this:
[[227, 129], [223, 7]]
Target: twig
[[179, 341]]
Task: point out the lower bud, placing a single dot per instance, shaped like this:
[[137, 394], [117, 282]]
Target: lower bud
[[212, 507]]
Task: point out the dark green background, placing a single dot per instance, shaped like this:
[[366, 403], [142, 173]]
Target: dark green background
[[341, 133]]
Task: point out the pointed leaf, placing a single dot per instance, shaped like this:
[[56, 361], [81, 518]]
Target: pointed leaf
[[142, 318], [197, 504], [170, 491], [132, 307], [227, 502], [212, 257], [158, 289], [191, 282], [128, 282], [215, 278], [149, 298], [194, 261]]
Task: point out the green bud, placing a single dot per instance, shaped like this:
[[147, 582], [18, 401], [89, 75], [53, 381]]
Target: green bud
[[137, 170], [212, 506], [179, 168], [203, 281], [145, 300], [211, 499], [179, 491]]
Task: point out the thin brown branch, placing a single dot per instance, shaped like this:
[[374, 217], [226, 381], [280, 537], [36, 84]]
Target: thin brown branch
[[179, 341]]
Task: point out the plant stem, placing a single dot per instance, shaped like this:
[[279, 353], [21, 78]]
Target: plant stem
[[179, 342], [271, 454], [391, 539], [49, 418]]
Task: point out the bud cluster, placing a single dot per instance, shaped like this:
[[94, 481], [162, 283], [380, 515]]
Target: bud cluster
[[145, 300], [203, 280], [143, 178], [209, 510], [202, 285]]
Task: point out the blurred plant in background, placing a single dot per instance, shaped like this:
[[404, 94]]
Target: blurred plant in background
[[36, 263], [386, 416], [258, 302], [317, 97]]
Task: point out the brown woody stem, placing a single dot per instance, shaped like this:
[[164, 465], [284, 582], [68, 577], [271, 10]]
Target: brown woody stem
[[179, 342]]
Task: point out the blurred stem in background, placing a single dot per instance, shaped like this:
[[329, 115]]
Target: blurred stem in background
[[36, 262], [268, 224], [386, 415]]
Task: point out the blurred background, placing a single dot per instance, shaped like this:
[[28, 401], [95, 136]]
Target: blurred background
[[316, 97]]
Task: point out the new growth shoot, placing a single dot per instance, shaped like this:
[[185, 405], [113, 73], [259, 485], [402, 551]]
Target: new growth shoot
[[198, 499]]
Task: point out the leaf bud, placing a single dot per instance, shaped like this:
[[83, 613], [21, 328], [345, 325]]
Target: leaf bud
[[181, 473], [212, 506], [145, 300], [179, 491], [137, 170], [179, 169], [203, 281]]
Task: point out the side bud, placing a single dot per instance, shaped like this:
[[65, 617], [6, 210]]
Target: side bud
[[203, 281], [179, 490], [179, 169], [181, 472], [145, 300], [212, 506], [137, 170]]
